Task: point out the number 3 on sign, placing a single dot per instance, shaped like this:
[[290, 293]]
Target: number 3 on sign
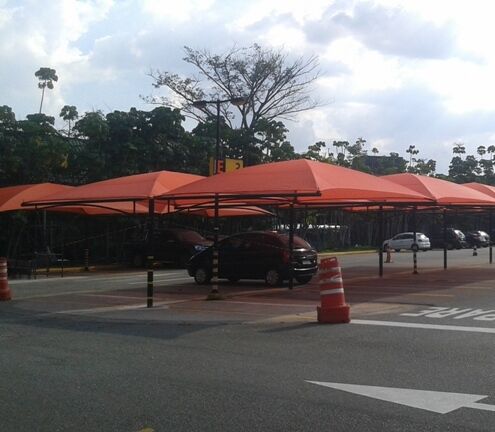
[[233, 164]]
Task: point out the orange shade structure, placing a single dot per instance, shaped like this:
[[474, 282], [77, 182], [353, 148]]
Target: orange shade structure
[[486, 189], [130, 188], [313, 182], [12, 197], [443, 192]]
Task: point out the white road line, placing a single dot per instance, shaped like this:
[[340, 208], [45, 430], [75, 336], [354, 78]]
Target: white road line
[[270, 304], [157, 281], [44, 279], [394, 293], [424, 326]]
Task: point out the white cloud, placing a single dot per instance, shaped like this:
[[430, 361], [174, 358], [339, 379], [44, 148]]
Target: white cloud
[[396, 72]]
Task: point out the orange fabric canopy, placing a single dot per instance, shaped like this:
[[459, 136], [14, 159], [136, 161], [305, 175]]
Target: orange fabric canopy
[[12, 197], [442, 191], [486, 189], [130, 188], [332, 183]]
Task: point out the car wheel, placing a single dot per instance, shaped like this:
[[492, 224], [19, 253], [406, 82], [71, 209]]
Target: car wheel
[[397, 250], [303, 279], [273, 278], [424, 250], [202, 276], [385, 247], [414, 248]]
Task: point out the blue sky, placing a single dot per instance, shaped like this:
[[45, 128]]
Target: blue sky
[[396, 73]]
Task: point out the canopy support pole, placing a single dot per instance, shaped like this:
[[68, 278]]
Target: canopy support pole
[[291, 245], [214, 293], [380, 241], [444, 239], [490, 233], [415, 244], [150, 254]]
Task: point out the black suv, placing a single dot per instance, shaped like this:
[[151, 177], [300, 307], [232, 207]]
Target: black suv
[[256, 255], [173, 245], [455, 239]]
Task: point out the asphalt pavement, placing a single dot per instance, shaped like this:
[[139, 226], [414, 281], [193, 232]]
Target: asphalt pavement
[[83, 353]]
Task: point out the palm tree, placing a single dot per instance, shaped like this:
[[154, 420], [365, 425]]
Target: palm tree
[[46, 77]]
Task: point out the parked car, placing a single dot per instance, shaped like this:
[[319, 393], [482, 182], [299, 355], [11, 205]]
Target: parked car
[[172, 245], [256, 255], [406, 241], [455, 239], [477, 238]]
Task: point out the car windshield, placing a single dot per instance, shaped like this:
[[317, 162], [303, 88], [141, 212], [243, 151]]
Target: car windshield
[[298, 241]]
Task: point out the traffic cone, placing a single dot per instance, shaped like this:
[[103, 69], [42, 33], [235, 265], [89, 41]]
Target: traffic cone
[[389, 255], [333, 307], [4, 283], [475, 251]]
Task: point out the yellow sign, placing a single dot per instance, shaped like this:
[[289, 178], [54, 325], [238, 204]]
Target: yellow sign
[[226, 165], [233, 164]]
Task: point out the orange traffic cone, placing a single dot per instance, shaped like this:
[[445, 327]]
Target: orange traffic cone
[[333, 307], [4, 283]]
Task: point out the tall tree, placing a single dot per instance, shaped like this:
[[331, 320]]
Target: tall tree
[[69, 114], [46, 77]]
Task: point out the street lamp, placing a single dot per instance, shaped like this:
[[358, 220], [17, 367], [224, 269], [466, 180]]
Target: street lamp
[[238, 101]]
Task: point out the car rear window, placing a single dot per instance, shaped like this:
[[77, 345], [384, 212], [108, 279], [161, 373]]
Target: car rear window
[[190, 236], [298, 241]]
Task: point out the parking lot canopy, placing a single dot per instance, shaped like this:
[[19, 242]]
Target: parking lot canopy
[[442, 191], [12, 197], [299, 177], [486, 189], [130, 188]]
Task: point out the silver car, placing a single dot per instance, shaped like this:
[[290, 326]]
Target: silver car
[[406, 241]]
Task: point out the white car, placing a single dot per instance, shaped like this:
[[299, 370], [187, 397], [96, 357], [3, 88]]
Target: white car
[[406, 241]]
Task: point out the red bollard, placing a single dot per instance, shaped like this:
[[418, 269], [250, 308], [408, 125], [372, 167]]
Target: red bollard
[[333, 307], [4, 283]]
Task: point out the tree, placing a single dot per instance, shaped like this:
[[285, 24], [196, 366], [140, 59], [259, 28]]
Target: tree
[[412, 151], [459, 148], [46, 77], [275, 87], [69, 114]]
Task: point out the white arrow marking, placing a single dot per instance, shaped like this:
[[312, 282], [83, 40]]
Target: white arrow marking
[[439, 402]]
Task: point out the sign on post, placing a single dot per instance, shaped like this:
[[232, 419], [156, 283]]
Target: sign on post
[[226, 165]]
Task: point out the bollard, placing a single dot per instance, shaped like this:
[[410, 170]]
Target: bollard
[[5, 294], [475, 250], [389, 255]]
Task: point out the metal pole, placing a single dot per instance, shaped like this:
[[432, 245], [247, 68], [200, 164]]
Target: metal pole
[[214, 293], [380, 241], [150, 255], [445, 239], [490, 233], [415, 256], [217, 142], [291, 245]]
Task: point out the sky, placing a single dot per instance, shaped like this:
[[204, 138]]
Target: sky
[[394, 72]]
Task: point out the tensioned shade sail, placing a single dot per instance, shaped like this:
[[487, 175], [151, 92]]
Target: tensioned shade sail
[[130, 188], [12, 197], [442, 191], [298, 177], [486, 189]]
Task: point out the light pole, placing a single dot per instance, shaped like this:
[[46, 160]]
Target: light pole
[[238, 101]]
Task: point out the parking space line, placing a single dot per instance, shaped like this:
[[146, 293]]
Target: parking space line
[[351, 292], [270, 304], [156, 281], [425, 326]]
